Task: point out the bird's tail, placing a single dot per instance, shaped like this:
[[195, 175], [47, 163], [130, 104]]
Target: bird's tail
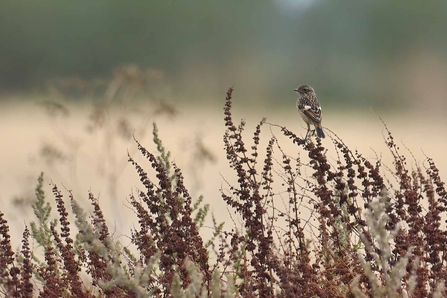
[[320, 132]]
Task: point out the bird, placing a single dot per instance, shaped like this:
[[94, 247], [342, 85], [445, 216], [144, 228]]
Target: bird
[[310, 109]]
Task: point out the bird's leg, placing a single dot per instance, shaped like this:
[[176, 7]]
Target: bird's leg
[[308, 130]]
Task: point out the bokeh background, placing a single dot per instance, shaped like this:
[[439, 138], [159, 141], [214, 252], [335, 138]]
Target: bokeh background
[[78, 78]]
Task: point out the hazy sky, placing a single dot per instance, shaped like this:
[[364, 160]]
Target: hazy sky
[[292, 5]]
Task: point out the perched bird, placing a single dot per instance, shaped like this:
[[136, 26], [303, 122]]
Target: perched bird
[[310, 109]]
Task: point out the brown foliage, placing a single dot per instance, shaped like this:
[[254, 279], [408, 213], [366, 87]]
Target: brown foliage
[[277, 251]]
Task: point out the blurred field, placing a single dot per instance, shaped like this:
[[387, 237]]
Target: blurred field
[[26, 128]]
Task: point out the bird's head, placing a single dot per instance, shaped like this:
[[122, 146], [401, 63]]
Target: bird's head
[[305, 89]]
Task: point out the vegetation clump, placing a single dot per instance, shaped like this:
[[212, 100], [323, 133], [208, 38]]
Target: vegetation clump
[[308, 226]]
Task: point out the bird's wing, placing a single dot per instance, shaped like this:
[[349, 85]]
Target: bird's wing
[[314, 113]]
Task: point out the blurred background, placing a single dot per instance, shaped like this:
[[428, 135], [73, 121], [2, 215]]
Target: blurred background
[[78, 78], [376, 53]]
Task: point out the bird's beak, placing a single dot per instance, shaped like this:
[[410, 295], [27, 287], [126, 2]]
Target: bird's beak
[[296, 89]]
